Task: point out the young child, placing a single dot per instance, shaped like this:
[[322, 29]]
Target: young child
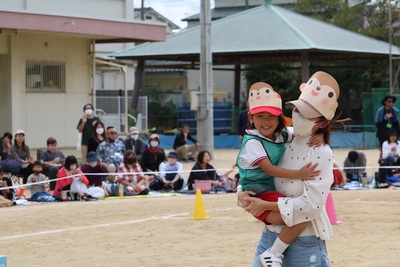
[[37, 184], [262, 147]]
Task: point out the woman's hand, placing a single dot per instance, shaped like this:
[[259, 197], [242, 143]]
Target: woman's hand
[[242, 201], [256, 206], [308, 172]]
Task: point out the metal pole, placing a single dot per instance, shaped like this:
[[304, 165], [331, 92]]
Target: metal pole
[[205, 116]]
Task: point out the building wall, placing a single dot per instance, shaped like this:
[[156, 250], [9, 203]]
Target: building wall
[[5, 84], [114, 9], [42, 115]]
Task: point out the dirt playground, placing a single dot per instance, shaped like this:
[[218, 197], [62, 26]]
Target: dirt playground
[[157, 230]]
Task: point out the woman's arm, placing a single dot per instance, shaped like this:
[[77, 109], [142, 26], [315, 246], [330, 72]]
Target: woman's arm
[[307, 172]]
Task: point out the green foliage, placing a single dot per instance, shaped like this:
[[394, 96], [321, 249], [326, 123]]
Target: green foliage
[[161, 111]]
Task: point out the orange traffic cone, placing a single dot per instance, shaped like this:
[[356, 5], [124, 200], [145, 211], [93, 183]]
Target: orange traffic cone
[[330, 209], [199, 210]]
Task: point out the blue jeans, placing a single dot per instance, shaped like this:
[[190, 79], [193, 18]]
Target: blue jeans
[[304, 251]]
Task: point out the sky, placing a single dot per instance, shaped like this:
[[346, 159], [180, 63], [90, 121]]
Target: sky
[[174, 10]]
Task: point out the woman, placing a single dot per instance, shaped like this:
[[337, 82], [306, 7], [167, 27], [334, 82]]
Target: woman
[[97, 137], [131, 177], [5, 146], [85, 127], [202, 170], [151, 160], [21, 151], [305, 200], [71, 178]]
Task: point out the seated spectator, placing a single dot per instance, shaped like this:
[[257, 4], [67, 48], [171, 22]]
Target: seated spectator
[[171, 174], [5, 145], [202, 170], [7, 196], [354, 165], [20, 151], [94, 165], [97, 137], [37, 184], [226, 183], [391, 150], [181, 146], [9, 164], [111, 151], [71, 178], [131, 177], [133, 142], [151, 160], [53, 159]]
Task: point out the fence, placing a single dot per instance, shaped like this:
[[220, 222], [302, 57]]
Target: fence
[[222, 116], [112, 111]]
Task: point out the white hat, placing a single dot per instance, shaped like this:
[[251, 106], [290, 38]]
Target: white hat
[[19, 132], [133, 130], [318, 96], [263, 98]]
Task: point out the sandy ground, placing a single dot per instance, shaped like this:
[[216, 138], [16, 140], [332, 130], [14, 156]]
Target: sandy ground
[[157, 231]]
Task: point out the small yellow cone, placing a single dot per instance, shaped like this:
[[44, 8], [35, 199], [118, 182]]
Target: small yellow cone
[[199, 210]]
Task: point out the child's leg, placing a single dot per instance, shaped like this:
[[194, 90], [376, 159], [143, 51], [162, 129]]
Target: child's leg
[[274, 218], [286, 236]]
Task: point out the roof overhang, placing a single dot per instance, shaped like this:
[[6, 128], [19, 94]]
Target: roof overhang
[[101, 30]]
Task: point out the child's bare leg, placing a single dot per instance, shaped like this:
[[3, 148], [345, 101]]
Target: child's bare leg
[[275, 218], [288, 234]]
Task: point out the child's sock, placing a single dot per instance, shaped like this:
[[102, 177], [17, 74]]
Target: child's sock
[[278, 246]]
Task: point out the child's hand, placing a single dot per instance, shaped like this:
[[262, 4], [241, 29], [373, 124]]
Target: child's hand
[[316, 140], [243, 198], [308, 172], [255, 206]]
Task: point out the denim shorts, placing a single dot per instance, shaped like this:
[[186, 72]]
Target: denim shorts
[[304, 251]]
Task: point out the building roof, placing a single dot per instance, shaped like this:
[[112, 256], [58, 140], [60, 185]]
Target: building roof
[[267, 33], [150, 10], [102, 30], [218, 13]]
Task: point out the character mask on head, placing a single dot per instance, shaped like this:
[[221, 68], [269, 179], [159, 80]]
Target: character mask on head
[[263, 98], [301, 125], [318, 96]]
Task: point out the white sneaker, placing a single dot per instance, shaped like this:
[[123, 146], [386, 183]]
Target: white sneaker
[[269, 259]]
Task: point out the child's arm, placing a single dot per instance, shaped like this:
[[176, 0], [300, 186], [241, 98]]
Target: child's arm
[[307, 172], [229, 171]]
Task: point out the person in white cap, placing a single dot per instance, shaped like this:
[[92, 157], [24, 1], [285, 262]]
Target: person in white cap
[[135, 143], [304, 201], [20, 151], [262, 147]]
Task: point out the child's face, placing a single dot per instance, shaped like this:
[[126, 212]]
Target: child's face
[[52, 148], [393, 138], [37, 168], [265, 123]]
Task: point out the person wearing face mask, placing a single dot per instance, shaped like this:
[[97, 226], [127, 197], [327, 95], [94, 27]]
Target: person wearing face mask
[[151, 160], [111, 151], [98, 136], [85, 127], [72, 178], [133, 142], [171, 173], [130, 176], [303, 201], [94, 165]]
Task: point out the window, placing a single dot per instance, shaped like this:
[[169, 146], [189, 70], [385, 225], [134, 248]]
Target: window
[[45, 77]]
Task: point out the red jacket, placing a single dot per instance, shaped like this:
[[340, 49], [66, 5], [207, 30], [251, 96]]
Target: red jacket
[[60, 184]]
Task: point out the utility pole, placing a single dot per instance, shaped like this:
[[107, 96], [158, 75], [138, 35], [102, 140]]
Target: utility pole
[[205, 115], [390, 50]]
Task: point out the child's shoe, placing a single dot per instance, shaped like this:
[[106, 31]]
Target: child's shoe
[[269, 259]]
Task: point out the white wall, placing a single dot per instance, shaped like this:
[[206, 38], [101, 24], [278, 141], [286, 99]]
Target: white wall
[[114, 9], [43, 115]]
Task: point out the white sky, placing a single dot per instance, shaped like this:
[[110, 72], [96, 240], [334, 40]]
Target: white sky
[[174, 10]]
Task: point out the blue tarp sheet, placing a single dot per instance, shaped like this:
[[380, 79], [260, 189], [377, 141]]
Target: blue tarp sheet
[[338, 140]]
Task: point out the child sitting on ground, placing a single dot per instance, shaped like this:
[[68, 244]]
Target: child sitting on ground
[[37, 184]]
